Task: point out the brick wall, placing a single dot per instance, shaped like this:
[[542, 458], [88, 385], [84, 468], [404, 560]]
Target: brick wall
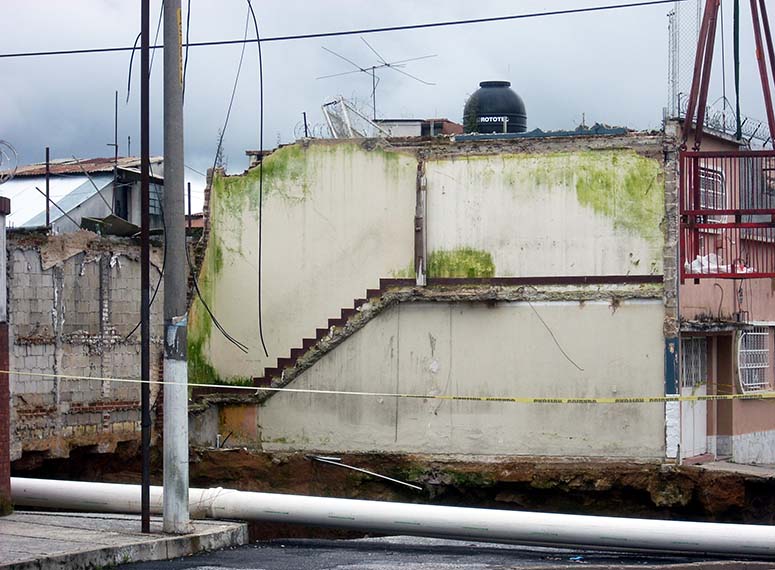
[[73, 300]]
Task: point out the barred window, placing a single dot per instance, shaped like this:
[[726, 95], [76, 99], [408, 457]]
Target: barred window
[[753, 360], [713, 192], [694, 361]]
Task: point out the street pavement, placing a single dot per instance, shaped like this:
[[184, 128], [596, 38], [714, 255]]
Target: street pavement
[[412, 553]]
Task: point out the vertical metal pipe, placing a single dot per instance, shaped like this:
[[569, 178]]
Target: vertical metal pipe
[[696, 79], [115, 132], [48, 195], [707, 64], [145, 282], [771, 53], [189, 204], [762, 64], [176, 517], [306, 131], [115, 154]]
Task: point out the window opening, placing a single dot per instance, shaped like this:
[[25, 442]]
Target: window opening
[[713, 193], [694, 362], [753, 358]]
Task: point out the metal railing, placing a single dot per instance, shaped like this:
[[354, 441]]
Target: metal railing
[[727, 208]]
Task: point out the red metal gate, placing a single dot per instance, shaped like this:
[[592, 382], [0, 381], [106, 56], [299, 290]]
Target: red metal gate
[[727, 208]]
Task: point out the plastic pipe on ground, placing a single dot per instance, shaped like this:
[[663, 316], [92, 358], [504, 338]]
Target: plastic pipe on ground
[[514, 527]]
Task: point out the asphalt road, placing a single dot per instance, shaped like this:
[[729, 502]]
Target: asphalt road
[[411, 553]]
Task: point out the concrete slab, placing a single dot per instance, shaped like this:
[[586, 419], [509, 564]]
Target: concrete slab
[[75, 541], [763, 471]]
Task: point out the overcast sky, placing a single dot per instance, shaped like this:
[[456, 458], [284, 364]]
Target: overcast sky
[[611, 66]]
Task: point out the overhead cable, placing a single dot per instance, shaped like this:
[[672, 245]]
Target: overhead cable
[[358, 31], [260, 178]]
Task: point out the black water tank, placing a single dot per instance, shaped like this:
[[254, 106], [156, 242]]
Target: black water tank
[[493, 106]]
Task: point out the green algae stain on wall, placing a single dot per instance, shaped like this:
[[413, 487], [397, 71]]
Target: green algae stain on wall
[[620, 184], [407, 272], [461, 262], [624, 186], [200, 370], [285, 173]]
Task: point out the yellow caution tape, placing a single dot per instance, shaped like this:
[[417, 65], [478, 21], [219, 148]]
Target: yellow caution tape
[[451, 397]]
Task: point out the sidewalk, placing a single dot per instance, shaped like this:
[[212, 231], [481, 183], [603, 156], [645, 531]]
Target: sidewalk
[[763, 471], [74, 541]]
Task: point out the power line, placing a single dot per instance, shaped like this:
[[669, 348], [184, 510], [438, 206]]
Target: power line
[[240, 345], [356, 32], [260, 178]]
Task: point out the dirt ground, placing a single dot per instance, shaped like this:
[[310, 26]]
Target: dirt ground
[[571, 486]]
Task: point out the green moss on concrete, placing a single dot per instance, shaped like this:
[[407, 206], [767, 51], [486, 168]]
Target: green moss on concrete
[[284, 173], [473, 479], [461, 262], [620, 184], [407, 272], [624, 186], [200, 371], [217, 256]]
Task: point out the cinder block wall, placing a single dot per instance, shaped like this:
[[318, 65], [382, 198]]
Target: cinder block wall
[[73, 301]]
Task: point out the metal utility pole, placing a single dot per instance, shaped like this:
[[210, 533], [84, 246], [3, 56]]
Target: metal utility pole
[[145, 258], [175, 282], [48, 194], [5, 387]]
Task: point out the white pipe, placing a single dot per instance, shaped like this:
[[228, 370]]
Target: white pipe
[[755, 541]]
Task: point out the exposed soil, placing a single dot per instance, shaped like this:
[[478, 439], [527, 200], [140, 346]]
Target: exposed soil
[[583, 487]]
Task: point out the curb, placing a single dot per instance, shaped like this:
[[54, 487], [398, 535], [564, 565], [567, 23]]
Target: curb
[[221, 534]]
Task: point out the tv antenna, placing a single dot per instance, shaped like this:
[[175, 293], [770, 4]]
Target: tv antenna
[[372, 70]]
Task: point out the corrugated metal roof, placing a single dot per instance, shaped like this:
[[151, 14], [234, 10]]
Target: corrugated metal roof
[[90, 165]]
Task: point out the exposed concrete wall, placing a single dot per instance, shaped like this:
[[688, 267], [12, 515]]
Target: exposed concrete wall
[[754, 447], [336, 218], [477, 349], [73, 299], [571, 213]]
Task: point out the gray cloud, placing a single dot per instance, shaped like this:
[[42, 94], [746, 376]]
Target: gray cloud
[[611, 66]]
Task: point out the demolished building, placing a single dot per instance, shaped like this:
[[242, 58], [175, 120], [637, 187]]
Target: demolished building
[[74, 342], [398, 272]]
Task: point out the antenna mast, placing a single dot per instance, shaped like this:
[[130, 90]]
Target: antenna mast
[[372, 70]]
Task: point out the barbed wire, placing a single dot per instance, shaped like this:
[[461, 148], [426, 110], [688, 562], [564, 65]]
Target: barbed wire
[[9, 161]]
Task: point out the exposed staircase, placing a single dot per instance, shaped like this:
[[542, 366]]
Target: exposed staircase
[[286, 368], [273, 376]]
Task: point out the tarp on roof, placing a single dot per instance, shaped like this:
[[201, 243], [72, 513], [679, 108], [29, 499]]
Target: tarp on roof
[[28, 206]]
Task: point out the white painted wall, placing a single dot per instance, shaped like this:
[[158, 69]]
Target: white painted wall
[[401, 128], [476, 350], [336, 217]]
